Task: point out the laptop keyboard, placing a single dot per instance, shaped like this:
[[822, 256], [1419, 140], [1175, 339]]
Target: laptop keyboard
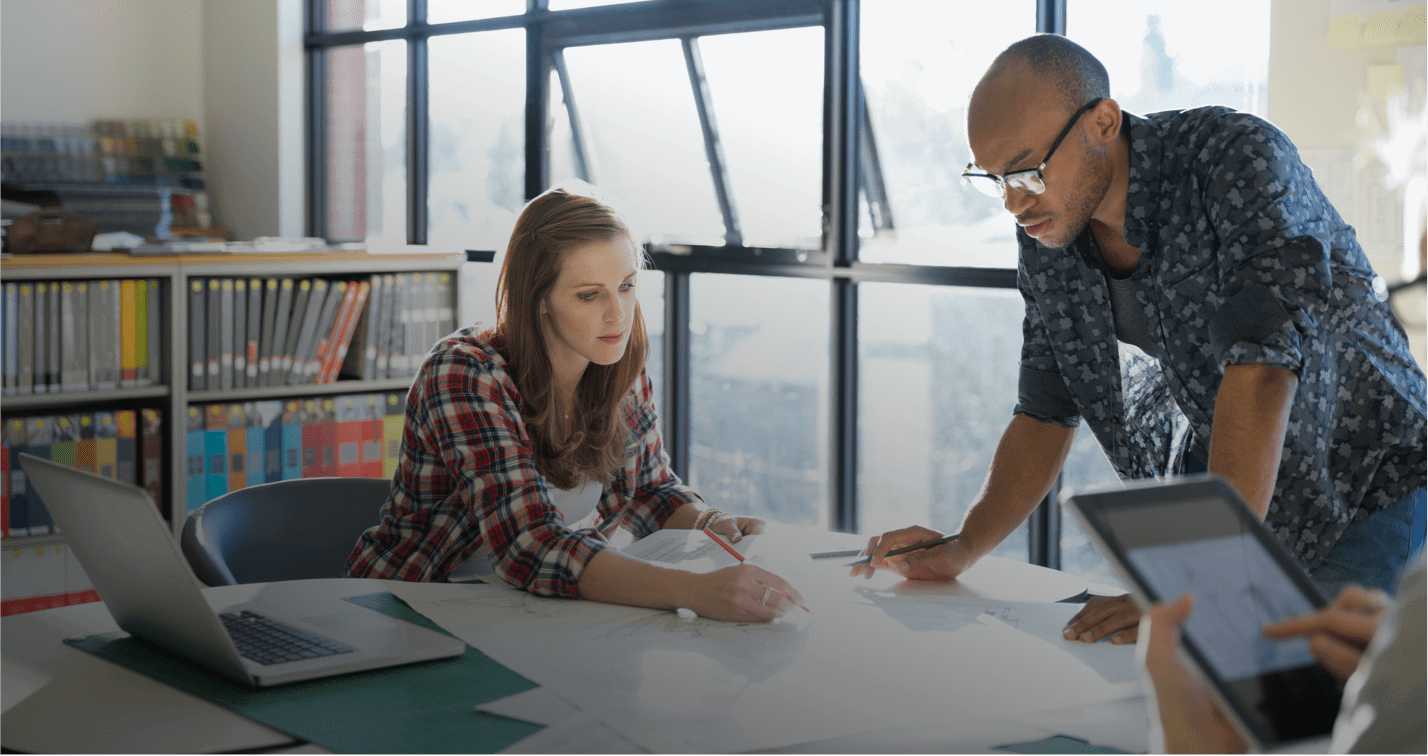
[[267, 641]]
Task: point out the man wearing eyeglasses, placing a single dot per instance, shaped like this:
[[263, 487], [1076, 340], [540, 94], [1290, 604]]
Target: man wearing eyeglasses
[[1192, 295]]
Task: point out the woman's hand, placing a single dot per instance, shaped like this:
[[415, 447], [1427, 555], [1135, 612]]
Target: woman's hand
[[733, 529], [942, 562], [1183, 714], [1338, 633], [742, 593]]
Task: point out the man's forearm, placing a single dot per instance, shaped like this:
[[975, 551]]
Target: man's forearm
[[1247, 434], [1026, 463]]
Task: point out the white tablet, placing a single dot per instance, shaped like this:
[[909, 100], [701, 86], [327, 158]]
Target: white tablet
[[1196, 534]]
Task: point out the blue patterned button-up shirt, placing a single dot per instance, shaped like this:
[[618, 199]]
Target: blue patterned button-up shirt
[[1243, 260]]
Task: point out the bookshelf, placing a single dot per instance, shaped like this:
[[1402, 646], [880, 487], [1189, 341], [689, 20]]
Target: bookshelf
[[170, 390]]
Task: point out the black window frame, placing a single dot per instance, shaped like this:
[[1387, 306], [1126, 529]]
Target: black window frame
[[850, 165]]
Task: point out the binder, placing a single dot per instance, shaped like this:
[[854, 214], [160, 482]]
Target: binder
[[156, 333], [269, 418], [74, 335], [280, 330], [321, 335], [430, 312], [265, 330], [126, 466], [295, 321], [237, 447], [196, 474], [39, 441], [213, 339], [290, 427], [215, 450], [254, 434], [392, 432], [307, 334], [197, 336], [373, 410], [113, 327], [4, 484], [17, 512], [240, 333], [128, 333], [42, 337], [379, 308], [385, 327], [361, 357], [310, 419], [12, 342], [255, 323], [106, 445], [25, 339], [340, 301], [225, 334], [86, 451], [359, 292], [151, 456], [401, 327], [445, 306], [53, 349], [347, 435], [141, 332]]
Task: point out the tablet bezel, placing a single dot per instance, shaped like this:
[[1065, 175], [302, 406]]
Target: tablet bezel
[[1090, 508]]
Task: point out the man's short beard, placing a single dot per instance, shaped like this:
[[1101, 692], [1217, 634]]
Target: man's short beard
[[1094, 180]]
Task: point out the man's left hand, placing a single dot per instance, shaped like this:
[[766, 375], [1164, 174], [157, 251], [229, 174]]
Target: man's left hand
[[1113, 616]]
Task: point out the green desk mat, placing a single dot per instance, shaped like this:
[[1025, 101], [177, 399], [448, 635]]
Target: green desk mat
[[425, 707]]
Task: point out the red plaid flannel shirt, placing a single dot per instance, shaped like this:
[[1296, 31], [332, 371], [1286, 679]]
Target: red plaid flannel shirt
[[466, 475]]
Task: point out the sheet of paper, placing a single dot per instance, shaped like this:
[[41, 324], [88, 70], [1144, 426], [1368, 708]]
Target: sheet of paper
[[692, 550], [537, 705], [581, 733], [670, 683]]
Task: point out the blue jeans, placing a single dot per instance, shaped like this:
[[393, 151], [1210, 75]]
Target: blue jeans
[[1372, 551]]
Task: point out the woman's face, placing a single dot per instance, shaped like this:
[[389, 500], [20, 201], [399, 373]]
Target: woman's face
[[591, 308]]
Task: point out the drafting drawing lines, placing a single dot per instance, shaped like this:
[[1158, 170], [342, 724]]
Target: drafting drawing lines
[[670, 623], [517, 605]]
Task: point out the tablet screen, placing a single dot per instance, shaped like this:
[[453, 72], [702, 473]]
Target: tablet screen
[[1205, 545]]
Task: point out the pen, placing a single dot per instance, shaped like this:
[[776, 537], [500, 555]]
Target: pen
[[907, 549], [725, 546]]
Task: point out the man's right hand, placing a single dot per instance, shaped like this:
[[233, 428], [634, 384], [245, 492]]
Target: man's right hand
[[943, 562]]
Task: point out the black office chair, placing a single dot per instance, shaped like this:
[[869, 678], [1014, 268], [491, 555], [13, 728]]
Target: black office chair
[[287, 530]]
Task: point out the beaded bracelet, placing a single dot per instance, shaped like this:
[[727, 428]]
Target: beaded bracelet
[[707, 517]]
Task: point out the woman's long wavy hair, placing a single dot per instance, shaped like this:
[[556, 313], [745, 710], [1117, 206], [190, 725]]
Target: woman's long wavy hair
[[590, 442]]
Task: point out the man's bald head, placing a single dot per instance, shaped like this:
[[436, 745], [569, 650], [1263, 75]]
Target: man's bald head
[[1062, 65]]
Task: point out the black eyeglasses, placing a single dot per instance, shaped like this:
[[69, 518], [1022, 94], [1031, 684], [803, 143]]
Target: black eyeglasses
[[1026, 180]]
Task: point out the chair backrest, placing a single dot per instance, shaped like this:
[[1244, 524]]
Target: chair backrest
[[287, 530]]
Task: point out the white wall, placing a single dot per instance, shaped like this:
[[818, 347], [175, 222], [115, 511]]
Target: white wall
[[232, 66], [73, 61]]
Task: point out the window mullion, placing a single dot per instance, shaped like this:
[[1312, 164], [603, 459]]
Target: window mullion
[[418, 127], [713, 148], [840, 193], [583, 168], [677, 401]]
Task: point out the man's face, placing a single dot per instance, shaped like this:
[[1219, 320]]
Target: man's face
[[1012, 123]]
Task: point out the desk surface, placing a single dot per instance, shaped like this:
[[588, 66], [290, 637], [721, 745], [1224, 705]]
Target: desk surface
[[58, 699]]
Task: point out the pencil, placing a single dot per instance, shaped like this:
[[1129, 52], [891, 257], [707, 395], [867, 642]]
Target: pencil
[[725, 546], [908, 549]]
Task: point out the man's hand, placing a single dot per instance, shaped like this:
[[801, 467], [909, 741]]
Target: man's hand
[[1181, 711], [943, 562], [1114, 616], [1338, 633]]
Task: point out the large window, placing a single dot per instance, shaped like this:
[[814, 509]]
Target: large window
[[834, 321]]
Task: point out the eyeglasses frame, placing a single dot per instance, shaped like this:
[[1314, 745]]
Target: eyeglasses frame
[[1001, 181]]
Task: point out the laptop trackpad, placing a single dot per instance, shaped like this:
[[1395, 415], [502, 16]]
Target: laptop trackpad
[[343, 622]]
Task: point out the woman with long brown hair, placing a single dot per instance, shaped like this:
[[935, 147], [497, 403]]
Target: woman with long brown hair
[[527, 445]]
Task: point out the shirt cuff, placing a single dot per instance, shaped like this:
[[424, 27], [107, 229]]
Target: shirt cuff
[[1252, 327], [1045, 397]]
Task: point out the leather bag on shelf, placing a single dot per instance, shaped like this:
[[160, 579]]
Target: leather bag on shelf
[[52, 229]]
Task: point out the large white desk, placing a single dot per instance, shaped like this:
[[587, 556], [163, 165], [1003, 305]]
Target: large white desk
[[59, 699]]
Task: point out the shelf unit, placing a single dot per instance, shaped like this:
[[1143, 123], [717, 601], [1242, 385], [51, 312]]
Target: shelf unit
[[174, 396]]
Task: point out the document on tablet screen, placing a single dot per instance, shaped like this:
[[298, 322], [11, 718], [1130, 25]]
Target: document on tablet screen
[[1238, 589]]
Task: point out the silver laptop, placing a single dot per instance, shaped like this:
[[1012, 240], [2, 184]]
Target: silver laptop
[[136, 566]]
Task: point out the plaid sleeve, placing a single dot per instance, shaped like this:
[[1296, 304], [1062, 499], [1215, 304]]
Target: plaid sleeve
[[654, 491], [466, 475]]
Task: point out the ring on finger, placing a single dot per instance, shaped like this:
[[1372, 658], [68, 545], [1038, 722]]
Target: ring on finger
[[768, 591]]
